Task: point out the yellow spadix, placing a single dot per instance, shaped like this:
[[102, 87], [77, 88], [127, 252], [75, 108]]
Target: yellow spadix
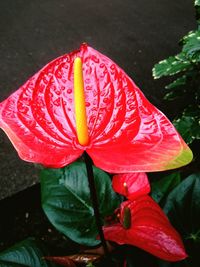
[[79, 103]]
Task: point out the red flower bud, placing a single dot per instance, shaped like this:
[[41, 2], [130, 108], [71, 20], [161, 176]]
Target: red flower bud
[[131, 185]]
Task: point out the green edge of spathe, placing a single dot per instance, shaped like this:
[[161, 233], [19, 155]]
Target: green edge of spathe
[[183, 159]]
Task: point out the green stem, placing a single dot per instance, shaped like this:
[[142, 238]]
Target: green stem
[[93, 194]]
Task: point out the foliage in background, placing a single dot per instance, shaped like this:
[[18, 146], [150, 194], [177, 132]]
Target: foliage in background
[[185, 68], [182, 207], [180, 199], [180, 196]]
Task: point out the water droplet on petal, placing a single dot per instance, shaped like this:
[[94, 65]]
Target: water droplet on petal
[[58, 74], [58, 92], [130, 101], [106, 100], [87, 81], [112, 67], [95, 59], [57, 102], [88, 87], [69, 91], [87, 104]]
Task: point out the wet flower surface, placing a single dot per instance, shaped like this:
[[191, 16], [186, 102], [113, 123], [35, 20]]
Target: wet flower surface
[[131, 185], [141, 222], [126, 132], [148, 229]]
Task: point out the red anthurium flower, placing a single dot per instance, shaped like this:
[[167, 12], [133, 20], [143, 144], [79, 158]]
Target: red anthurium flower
[[125, 132], [131, 185], [143, 224]]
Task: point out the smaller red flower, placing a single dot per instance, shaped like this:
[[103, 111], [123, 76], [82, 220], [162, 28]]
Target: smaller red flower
[[142, 223], [131, 185]]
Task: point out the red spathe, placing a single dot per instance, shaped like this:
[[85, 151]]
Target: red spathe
[[131, 185], [150, 230], [127, 133]]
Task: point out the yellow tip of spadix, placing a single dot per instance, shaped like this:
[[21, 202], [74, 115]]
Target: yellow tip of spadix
[[79, 103]]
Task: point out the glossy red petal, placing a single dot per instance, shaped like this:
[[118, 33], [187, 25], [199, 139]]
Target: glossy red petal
[[150, 230], [126, 132], [131, 185], [115, 233], [39, 117]]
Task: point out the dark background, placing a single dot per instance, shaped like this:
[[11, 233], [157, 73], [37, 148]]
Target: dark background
[[136, 34]]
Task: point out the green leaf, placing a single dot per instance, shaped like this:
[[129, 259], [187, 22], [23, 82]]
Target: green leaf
[[178, 82], [183, 203], [192, 111], [186, 37], [182, 207], [26, 253], [191, 47], [66, 201], [188, 127], [173, 95], [197, 9], [161, 188], [171, 66], [197, 2]]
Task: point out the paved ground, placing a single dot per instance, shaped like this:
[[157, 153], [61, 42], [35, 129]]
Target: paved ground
[[135, 33]]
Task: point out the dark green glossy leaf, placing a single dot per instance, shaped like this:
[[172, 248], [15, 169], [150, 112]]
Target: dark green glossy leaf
[[173, 95], [171, 66], [186, 37], [183, 204], [66, 201], [197, 8], [192, 111], [182, 207], [191, 47], [178, 82], [161, 188], [188, 127], [26, 253]]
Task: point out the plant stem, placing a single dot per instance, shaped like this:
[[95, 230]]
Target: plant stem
[[93, 194]]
